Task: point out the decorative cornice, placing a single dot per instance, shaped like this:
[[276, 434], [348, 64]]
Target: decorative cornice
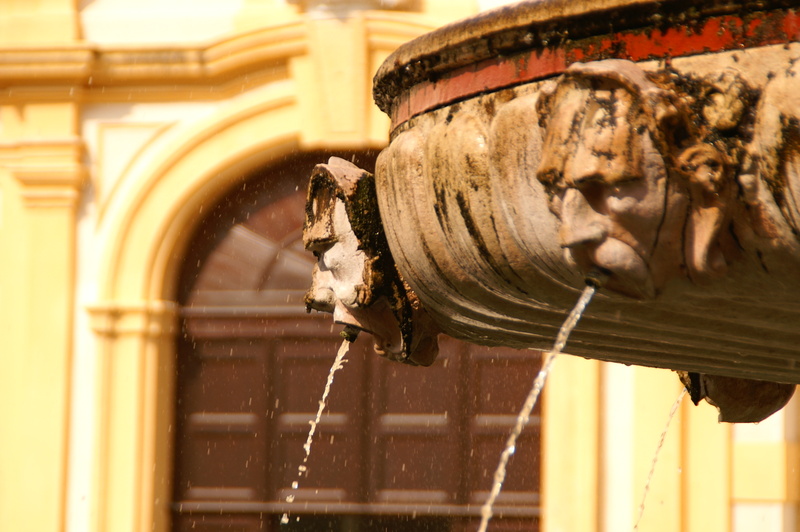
[[97, 73], [93, 72]]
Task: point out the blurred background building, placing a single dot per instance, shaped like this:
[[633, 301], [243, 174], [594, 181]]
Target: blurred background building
[[157, 367]]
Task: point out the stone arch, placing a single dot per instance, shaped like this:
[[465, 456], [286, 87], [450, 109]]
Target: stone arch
[[149, 216], [143, 231], [155, 205]]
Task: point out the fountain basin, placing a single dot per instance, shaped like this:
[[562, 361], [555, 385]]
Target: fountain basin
[[649, 147], [485, 190]]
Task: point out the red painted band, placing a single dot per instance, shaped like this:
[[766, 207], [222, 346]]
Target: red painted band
[[717, 34]]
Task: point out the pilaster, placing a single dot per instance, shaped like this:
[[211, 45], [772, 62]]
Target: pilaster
[[41, 180], [135, 397]]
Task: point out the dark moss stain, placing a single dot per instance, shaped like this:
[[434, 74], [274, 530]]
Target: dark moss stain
[[489, 106], [452, 111], [365, 219], [475, 233], [789, 150]]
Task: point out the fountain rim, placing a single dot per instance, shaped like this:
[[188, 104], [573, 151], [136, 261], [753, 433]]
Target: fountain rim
[[537, 39]]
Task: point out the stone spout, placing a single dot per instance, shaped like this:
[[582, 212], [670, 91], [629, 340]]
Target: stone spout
[[548, 149], [355, 277]]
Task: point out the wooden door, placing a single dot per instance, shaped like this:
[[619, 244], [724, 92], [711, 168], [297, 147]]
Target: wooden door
[[399, 448]]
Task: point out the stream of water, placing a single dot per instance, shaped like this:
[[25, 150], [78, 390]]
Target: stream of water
[[302, 469], [672, 412], [530, 402]]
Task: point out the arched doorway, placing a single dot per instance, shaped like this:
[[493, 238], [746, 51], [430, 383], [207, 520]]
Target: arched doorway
[[399, 448]]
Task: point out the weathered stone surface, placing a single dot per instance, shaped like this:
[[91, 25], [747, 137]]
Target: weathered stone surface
[[355, 277], [659, 150], [716, 252], [504, 279]]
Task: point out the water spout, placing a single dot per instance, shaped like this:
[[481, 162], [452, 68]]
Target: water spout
[[338, 363], [530, 401]]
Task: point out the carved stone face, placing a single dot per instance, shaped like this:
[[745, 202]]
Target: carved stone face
[[608, 185], [338, 282], [355, 277]]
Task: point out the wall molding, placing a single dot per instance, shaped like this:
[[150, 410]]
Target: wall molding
[[50, 171], [211, 71]]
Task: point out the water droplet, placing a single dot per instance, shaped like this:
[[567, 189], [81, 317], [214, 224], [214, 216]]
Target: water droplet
[[295, 485], [285, 519]]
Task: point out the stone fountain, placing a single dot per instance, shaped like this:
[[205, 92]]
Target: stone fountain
[[652, 148]]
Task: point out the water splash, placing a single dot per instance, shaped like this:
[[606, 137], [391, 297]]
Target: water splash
[[530, 401], [338, 363], [672, 412]]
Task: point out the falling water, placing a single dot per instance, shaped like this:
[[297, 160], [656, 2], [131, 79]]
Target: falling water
[[338, 363], [672, 412], [530, 401]]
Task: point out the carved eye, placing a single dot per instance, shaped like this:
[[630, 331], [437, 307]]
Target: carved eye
[[595, 192], [552, 179], [320, 246]]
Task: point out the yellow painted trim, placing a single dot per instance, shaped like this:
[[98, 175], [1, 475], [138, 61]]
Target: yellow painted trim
[[571, 446], [91, 72], [201, 159], [705, 470], [41, 178], [133, 463], [766, 472], [50, 170], [94, 73], [104, 189]]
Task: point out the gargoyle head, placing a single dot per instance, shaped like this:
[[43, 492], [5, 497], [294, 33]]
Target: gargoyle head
[[641, 193], [355, 277]]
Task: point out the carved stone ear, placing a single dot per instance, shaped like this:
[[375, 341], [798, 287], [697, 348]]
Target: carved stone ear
[[711, 192], [725, 100], [704, 166]]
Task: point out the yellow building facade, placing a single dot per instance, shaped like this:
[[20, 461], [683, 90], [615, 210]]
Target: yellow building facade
[[120, 122]]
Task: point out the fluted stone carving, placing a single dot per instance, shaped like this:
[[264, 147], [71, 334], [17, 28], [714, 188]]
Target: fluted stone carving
[[677, 181]]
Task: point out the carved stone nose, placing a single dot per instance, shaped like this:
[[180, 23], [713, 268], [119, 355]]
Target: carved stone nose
[[580, 224]]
